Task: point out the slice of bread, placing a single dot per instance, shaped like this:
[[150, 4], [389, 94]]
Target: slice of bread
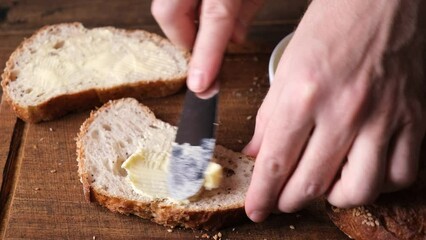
[[400, 215], [114, 132], [66, 67]]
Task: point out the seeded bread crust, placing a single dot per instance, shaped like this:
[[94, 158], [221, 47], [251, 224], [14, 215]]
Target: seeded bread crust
[[58, 106], [400, 215], [155, 210]]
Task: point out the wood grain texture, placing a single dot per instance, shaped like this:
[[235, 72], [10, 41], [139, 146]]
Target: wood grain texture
[[46, 201], [24, 14], [11, 132], [8, 121]]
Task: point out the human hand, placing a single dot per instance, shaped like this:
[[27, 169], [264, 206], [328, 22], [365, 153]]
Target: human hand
[[345, 115], [220, 21]]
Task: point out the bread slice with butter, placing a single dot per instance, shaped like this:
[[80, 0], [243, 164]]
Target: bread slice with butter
[[121, 128], [67, 67]]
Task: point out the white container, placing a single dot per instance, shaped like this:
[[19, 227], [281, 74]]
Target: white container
[[276, 56]]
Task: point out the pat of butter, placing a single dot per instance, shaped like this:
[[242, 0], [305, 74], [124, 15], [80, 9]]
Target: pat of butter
[[212, 176], [147, 173]]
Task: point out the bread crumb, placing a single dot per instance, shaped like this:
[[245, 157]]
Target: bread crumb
[[94, 237], [251, 89], [217, 236], [367, 218], [53, 171], [292, 227], [335, 209], [240, 141], [249, 117], [169, 230], [35, 146], [233, 229], [51, 129], [255, 78], [205, 235]]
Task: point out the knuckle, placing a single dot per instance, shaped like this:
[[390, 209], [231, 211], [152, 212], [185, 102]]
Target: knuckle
[[312, 190], [309, 83], [308, 94], [352, 106], [275, 168]]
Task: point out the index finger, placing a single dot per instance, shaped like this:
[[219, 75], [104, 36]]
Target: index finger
[[217, 22], [176, 18]]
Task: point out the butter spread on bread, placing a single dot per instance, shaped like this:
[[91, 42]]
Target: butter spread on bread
[[67, 67], [147, 172]]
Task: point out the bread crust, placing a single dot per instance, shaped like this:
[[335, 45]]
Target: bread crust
[[90, 98], [171, 215], [400, 215]]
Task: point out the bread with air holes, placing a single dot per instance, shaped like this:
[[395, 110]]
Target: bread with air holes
[[115, 131], [67, 67]]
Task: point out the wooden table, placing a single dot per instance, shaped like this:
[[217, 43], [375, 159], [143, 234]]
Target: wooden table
[[41, 196]]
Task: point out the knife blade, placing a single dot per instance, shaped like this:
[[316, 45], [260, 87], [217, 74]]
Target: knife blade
[[193, 147]]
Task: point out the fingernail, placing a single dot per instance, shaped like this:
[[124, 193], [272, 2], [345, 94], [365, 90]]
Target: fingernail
[[196, 80], [257, 216]]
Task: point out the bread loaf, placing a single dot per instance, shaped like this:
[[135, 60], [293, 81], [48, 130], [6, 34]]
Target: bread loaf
[[114, 132], [66, 67]]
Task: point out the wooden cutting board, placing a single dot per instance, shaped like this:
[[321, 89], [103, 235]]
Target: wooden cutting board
[[41, 196]]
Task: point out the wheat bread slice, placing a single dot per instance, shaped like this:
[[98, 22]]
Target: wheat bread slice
[[394, 216], [114, 132], [67, 67]]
